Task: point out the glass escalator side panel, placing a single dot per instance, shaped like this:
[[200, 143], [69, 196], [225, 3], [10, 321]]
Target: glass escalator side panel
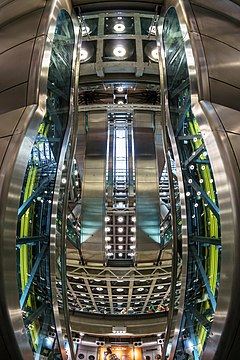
[[203, 218], [34, 214]]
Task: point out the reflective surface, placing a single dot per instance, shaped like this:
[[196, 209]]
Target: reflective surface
[[203, 218], [33, 234]]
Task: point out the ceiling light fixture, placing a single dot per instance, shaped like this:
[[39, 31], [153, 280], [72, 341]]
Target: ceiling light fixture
[[83, 54], [152, 30], [120, 89], [119, 27], [154, 54], [120, 219], [119, 51], [85, 30]]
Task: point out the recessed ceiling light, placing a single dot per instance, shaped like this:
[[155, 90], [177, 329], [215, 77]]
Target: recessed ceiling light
[[120, 102], [120, 254], [120, 229], [120, 219], [119, 27], [107, 238], [133, 219], [120, 247], [160, 287], [154, 54], [138, 297], [152, 30], [107, 229], [119, 297], [101, 296], [99, 289], [107, 218], [140, 289], [132, 238], [120, 238], [120, 89], [133, 229], [119, 51], [85, 30], [120, 289], [79, 286], [83, 54]]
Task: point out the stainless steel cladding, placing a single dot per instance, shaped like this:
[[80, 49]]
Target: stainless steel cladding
[[94, 188], [204, 133], [27, 44], [147, 188]]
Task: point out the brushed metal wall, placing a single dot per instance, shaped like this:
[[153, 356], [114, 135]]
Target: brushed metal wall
[[147, 188], [94, 188]]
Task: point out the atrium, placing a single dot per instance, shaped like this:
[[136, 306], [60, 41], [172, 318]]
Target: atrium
[[120, 157]]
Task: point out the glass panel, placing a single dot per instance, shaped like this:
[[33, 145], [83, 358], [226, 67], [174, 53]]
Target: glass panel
[[33, 233], [203, 218]]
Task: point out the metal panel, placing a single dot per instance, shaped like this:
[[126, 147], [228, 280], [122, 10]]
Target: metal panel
[[225, 7], [224, 94], [218, 26], [9, 121], [15, 9], [12, 34], [147, 193], [18, 58], [223, 61], [81, 142], [3, 147], [13, 98], [93, 188], [229, 118], [235, 142]]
